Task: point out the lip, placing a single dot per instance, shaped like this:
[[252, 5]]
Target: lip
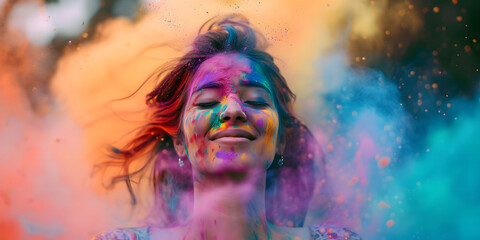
[[233, 136], [232, 140]]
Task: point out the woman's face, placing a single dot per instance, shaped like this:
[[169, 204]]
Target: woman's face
[[230, 121]]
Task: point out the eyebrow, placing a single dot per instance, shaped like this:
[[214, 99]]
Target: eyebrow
[[218, 85], [207, 85], [258, 85]]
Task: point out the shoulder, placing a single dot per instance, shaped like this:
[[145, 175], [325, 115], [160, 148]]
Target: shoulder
[[124, 234], [324, 232]]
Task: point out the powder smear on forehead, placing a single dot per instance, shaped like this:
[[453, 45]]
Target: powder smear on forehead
[[222, 67]]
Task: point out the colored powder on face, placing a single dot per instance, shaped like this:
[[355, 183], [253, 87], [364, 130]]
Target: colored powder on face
[[223, 66], [229, 156], [186, 149], [270, 129], [260, 123], [243, 78]]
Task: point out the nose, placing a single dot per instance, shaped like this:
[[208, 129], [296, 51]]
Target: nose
[[233, 112]]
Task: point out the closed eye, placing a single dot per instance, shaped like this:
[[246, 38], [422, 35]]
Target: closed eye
[[206, 105], [257, 104]]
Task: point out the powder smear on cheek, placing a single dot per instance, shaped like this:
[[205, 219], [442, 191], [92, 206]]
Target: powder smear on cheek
[[272, 123], [260, 123]]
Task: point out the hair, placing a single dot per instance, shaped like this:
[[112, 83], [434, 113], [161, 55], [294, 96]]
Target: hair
[[289, 188]]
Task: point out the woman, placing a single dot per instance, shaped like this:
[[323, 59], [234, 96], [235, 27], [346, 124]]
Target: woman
[[223, 137]]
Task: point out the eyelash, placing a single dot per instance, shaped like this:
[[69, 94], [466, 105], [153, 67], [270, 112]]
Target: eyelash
[[255, 104], [206, 105], [258, 104]]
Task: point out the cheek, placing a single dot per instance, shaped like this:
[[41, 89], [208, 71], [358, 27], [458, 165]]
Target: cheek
[[191, 130], [196, 125], [266, 122], [196, 122]]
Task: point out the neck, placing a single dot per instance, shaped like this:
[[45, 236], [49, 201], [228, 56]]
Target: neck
[[229, 206]]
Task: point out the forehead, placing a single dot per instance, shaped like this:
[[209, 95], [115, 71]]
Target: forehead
[[229, 70]]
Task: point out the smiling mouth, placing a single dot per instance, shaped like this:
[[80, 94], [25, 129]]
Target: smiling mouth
[[233, 136]]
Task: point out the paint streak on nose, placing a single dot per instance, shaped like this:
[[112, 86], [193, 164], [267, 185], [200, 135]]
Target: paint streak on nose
[[233, 112]]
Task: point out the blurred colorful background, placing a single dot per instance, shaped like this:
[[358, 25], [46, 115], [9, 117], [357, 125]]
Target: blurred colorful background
[[389, 88]]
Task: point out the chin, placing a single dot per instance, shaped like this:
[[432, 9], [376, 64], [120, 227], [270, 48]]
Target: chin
[[235, 173], [236, 166], [225, 159], [229, 168]]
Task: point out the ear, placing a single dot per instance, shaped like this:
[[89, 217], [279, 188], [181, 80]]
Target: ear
[[179, 145]]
